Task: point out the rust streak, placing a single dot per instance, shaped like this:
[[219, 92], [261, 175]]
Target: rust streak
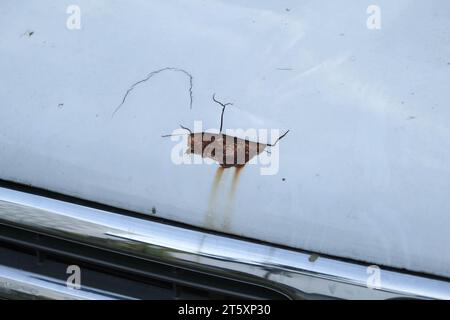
[[212, 203], [231, 198]]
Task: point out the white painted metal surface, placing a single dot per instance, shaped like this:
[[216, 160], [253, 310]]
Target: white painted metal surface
[[366, 164]]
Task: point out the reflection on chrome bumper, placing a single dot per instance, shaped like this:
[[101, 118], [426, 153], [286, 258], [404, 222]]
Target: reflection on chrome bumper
[[292, 273], [19, 284]]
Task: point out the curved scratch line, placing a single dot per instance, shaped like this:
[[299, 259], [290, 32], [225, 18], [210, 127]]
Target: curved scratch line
[[151, 74]]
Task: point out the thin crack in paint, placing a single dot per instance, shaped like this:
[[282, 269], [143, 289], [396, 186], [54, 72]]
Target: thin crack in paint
[[150, 75]]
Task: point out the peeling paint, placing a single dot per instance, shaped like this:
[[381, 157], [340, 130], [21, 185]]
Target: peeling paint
[[227, 151]]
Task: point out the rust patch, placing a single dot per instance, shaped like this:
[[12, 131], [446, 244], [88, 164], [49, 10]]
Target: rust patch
[[227, 151]]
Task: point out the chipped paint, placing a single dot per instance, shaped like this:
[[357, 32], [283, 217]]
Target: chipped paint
[[226, 150]]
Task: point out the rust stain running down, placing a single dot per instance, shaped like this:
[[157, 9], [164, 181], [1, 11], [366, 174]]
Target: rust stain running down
[[231, 198], [212, 203], [229, 152], [222, 200]]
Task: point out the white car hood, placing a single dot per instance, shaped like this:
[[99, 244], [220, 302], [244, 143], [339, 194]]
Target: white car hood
[[364, 172]]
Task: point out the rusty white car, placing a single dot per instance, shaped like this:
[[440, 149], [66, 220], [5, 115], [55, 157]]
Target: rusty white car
[[224, 149]]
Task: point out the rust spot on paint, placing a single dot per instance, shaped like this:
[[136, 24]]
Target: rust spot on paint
[[227, 151]]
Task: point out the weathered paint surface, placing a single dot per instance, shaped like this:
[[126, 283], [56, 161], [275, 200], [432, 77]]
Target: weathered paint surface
[[364, 172]]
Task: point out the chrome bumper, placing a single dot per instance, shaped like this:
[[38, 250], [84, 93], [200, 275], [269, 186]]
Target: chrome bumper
[[293, 273], [19, 284]]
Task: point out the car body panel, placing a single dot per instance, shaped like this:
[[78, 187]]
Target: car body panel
[[363, 173]]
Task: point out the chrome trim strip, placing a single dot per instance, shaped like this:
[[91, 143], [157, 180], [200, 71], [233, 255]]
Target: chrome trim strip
[[287, 271], [19, 284]]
